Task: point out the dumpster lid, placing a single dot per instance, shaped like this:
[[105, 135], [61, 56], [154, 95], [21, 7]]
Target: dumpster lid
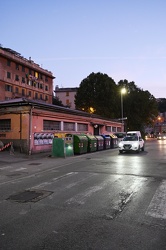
[[83, 137], [99, 137], [106, 136], [91, 137], [113, 135]]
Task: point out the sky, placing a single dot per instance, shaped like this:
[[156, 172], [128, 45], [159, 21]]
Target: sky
[[125, 39]]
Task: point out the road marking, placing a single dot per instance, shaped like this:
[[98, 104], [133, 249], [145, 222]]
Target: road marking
[[19, 169], [5, 167], [157, 207]]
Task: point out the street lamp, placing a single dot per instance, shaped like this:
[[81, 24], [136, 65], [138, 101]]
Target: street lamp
[[123, 91]]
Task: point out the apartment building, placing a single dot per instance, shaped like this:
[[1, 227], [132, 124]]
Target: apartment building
[[66, 96], [21, 77]]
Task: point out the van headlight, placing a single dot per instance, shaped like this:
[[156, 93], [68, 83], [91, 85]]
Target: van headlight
[[135, 145], [120, 144]]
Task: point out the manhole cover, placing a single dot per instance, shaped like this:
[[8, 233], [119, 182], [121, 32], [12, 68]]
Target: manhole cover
[[29, 196], [34, 163]]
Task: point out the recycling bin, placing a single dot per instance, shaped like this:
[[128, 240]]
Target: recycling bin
[[100, 142], [114, 141], [107, 141], [62, 147], [80, 144], [92, 143]]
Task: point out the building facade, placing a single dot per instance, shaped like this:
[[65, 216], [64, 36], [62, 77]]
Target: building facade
[[31, 125], [21, 77], [66, 96]]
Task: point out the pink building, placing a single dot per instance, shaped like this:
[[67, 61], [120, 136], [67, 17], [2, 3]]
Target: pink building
[[66, 96], [31, 125]]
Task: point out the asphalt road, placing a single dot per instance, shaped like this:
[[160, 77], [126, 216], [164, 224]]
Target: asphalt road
[[96, 201]]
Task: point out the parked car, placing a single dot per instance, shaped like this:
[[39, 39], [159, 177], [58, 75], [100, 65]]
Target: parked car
[[131, 143], [161, 136]]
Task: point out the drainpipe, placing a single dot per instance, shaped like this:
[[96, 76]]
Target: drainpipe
[[20, 132], [30, 130]]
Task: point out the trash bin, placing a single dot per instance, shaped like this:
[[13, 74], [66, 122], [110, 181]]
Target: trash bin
[[92, 143], [100, 142], [107, 141], [80, 144], [114, 141], [62, 147]]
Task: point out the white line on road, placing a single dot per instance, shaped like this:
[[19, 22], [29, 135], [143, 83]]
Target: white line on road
[[157, 207]]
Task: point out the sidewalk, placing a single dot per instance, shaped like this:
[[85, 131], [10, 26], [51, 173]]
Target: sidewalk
[[7, 157]]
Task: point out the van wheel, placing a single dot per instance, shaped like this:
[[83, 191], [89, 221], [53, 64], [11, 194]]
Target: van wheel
[[142, 149], [138, 150]]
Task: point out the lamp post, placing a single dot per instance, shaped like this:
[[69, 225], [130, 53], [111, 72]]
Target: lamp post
[[123, 91]]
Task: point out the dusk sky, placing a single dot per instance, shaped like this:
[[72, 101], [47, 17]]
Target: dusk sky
[[125, 39]]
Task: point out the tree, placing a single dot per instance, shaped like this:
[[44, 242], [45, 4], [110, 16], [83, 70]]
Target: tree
[[140, 107], [162, 105], [56, 101], [98, 94]]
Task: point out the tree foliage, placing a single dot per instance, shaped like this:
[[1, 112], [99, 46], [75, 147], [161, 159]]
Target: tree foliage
[[56, 101], [97, 92], [140, 107], [162, 105]]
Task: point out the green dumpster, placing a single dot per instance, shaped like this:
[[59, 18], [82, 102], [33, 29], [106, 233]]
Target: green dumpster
[[80, 144], [62, 147], [92, 143]]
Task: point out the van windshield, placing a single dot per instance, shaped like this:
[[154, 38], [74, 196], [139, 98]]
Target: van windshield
[[131, 138]]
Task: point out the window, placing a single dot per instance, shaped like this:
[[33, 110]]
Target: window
[[82, 127], [29, 93], [69, 126], [67, 93], [23, 69], [108, 129], [30, 71], [23, 92], [51, 125], [118, 129], [113, 129], [40, 76], [36, 74], [41, 86], [36, 95], [16, 90], [8, 75], [5, 125], [46, 79], [16, 78], [41, 97], [46, 88], [8, 88], [46, 98], [23, 79], [17, 66], [8, 62]]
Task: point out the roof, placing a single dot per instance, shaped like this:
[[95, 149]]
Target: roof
[[65, 89], [16, 56], [41, 105]]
